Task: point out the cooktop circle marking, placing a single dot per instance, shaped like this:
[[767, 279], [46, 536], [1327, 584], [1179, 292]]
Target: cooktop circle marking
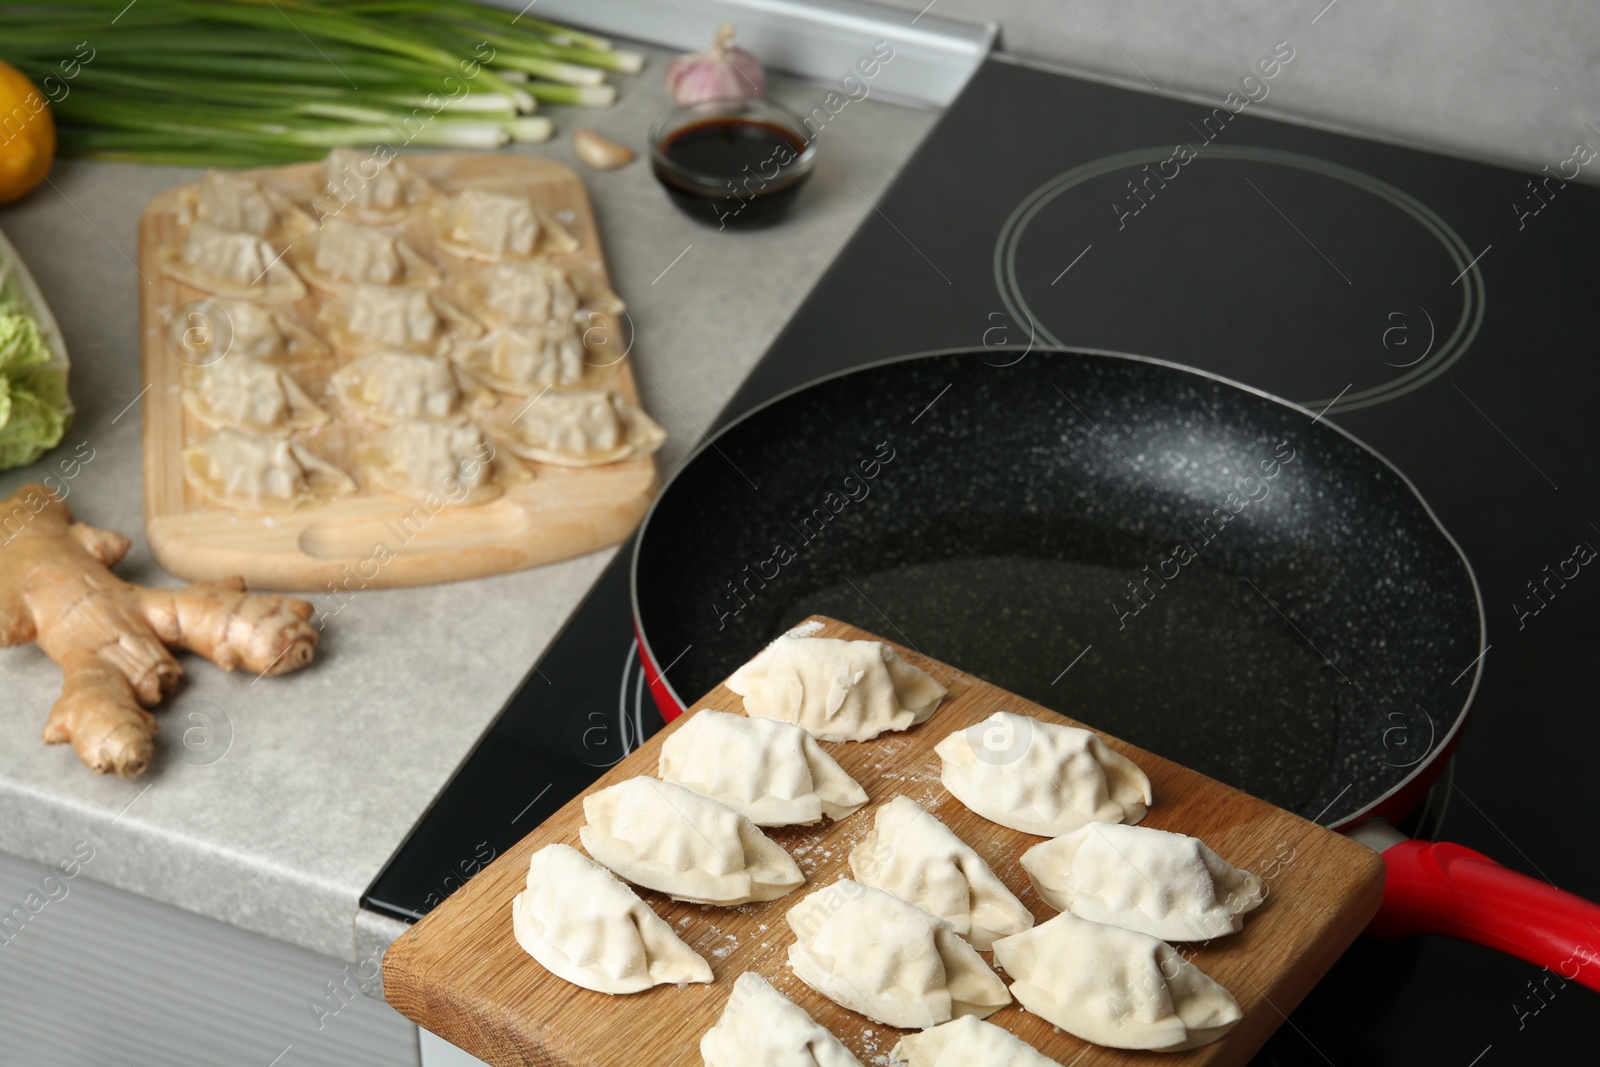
[[1438, 361]]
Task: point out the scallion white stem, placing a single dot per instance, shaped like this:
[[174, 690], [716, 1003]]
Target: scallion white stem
[[530, 130]]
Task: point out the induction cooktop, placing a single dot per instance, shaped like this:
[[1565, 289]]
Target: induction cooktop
[[1436, 307]]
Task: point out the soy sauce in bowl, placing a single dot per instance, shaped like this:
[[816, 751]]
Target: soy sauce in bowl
[[732, 164]]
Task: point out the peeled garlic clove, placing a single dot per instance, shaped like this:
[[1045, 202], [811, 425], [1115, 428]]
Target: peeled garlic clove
[[727, 72], [601, 153]]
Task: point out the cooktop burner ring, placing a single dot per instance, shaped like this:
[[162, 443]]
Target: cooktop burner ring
[[1437, 360]]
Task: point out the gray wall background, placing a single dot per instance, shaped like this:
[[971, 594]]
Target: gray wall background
[[1513, 81]]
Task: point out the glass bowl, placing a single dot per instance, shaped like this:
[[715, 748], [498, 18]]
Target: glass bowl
[[732, 164]]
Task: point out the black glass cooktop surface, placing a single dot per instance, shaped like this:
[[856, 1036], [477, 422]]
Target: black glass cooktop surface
[[1435, 307]]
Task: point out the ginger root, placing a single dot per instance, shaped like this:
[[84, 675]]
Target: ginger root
[[111, 637]]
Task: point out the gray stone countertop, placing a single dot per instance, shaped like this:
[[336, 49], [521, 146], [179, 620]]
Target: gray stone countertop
[[329, 767]]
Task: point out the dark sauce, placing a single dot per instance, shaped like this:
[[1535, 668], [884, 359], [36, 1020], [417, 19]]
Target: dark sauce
[[733, 172]]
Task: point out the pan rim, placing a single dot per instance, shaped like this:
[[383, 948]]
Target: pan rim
[[1444, 746]]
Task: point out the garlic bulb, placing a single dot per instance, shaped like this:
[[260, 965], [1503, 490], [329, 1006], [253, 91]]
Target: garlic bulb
[[725, 72]]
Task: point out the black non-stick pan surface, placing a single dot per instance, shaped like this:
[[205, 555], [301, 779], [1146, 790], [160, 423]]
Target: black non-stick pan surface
[[1204, 570]]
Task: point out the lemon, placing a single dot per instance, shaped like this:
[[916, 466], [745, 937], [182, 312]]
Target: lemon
[[27, 134]]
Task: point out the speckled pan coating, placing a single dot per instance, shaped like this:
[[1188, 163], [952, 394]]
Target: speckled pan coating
[[1311, 651]]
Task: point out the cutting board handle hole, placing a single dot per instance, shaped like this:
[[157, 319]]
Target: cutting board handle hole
[[450, 529]]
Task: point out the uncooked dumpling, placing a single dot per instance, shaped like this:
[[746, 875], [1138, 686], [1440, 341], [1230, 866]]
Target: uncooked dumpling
[[342, 254], [248, 394], [583, 925], [891, 961], [262, 471], [579, 428], [419, 459], [236, 202], [1166, 885], [479, 224], [969, 1042], [919, 859], [234, 264], [368, 317], [204, 332], [387, 387], [1039, 777], [1115, 987], [760, 1027], [370, 185], [838, 690], [665, 837], [523, 360], [521, 291], [772, 772]]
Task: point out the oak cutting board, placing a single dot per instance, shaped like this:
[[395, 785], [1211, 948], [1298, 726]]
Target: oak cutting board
[[461, 974], [559, 513]]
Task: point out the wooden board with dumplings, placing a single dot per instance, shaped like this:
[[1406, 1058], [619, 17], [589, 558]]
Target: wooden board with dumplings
[[468, 971], [376, 371]]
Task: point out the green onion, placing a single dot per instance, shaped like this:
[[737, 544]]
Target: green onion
[[258, 82]]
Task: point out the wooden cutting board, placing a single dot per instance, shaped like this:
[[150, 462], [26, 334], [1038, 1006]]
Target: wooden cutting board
[[461, 974], [561, 512]]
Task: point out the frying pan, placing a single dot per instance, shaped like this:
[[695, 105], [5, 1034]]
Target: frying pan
[[1190, 564]]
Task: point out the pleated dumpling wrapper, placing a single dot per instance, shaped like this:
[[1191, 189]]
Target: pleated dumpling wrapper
[[1115, 987], [233, 264], [773, 772], [372, 185], [1040, 777], [665, 837], [760, 1027], [248, 394], [891, 961], [837, 690], [1166, 885], [583, 925], [919, 859], [969, 1042]]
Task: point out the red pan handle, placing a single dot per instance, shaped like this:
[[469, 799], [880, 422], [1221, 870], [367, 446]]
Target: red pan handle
[[1440, 888]]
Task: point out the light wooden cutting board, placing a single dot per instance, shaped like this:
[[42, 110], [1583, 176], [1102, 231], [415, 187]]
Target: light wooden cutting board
[[461, 974], [561, 512]]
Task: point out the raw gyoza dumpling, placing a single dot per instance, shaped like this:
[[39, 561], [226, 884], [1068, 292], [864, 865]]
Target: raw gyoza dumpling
[[248, 394], [523, 360], [969, 1042], [235, 202], [204, 332], [1115, 987], [583, 925], [373, 186], [838, 690], [262, 471], [385, 316], [772, 772], [345, 254], [386, 387], [419, 459], [889, 960], [919, 859], [232, 264], [760, 1027], [665, 837], [1040, 777], [479, 224], [521, 291], [1166, 885], [579, 428]]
